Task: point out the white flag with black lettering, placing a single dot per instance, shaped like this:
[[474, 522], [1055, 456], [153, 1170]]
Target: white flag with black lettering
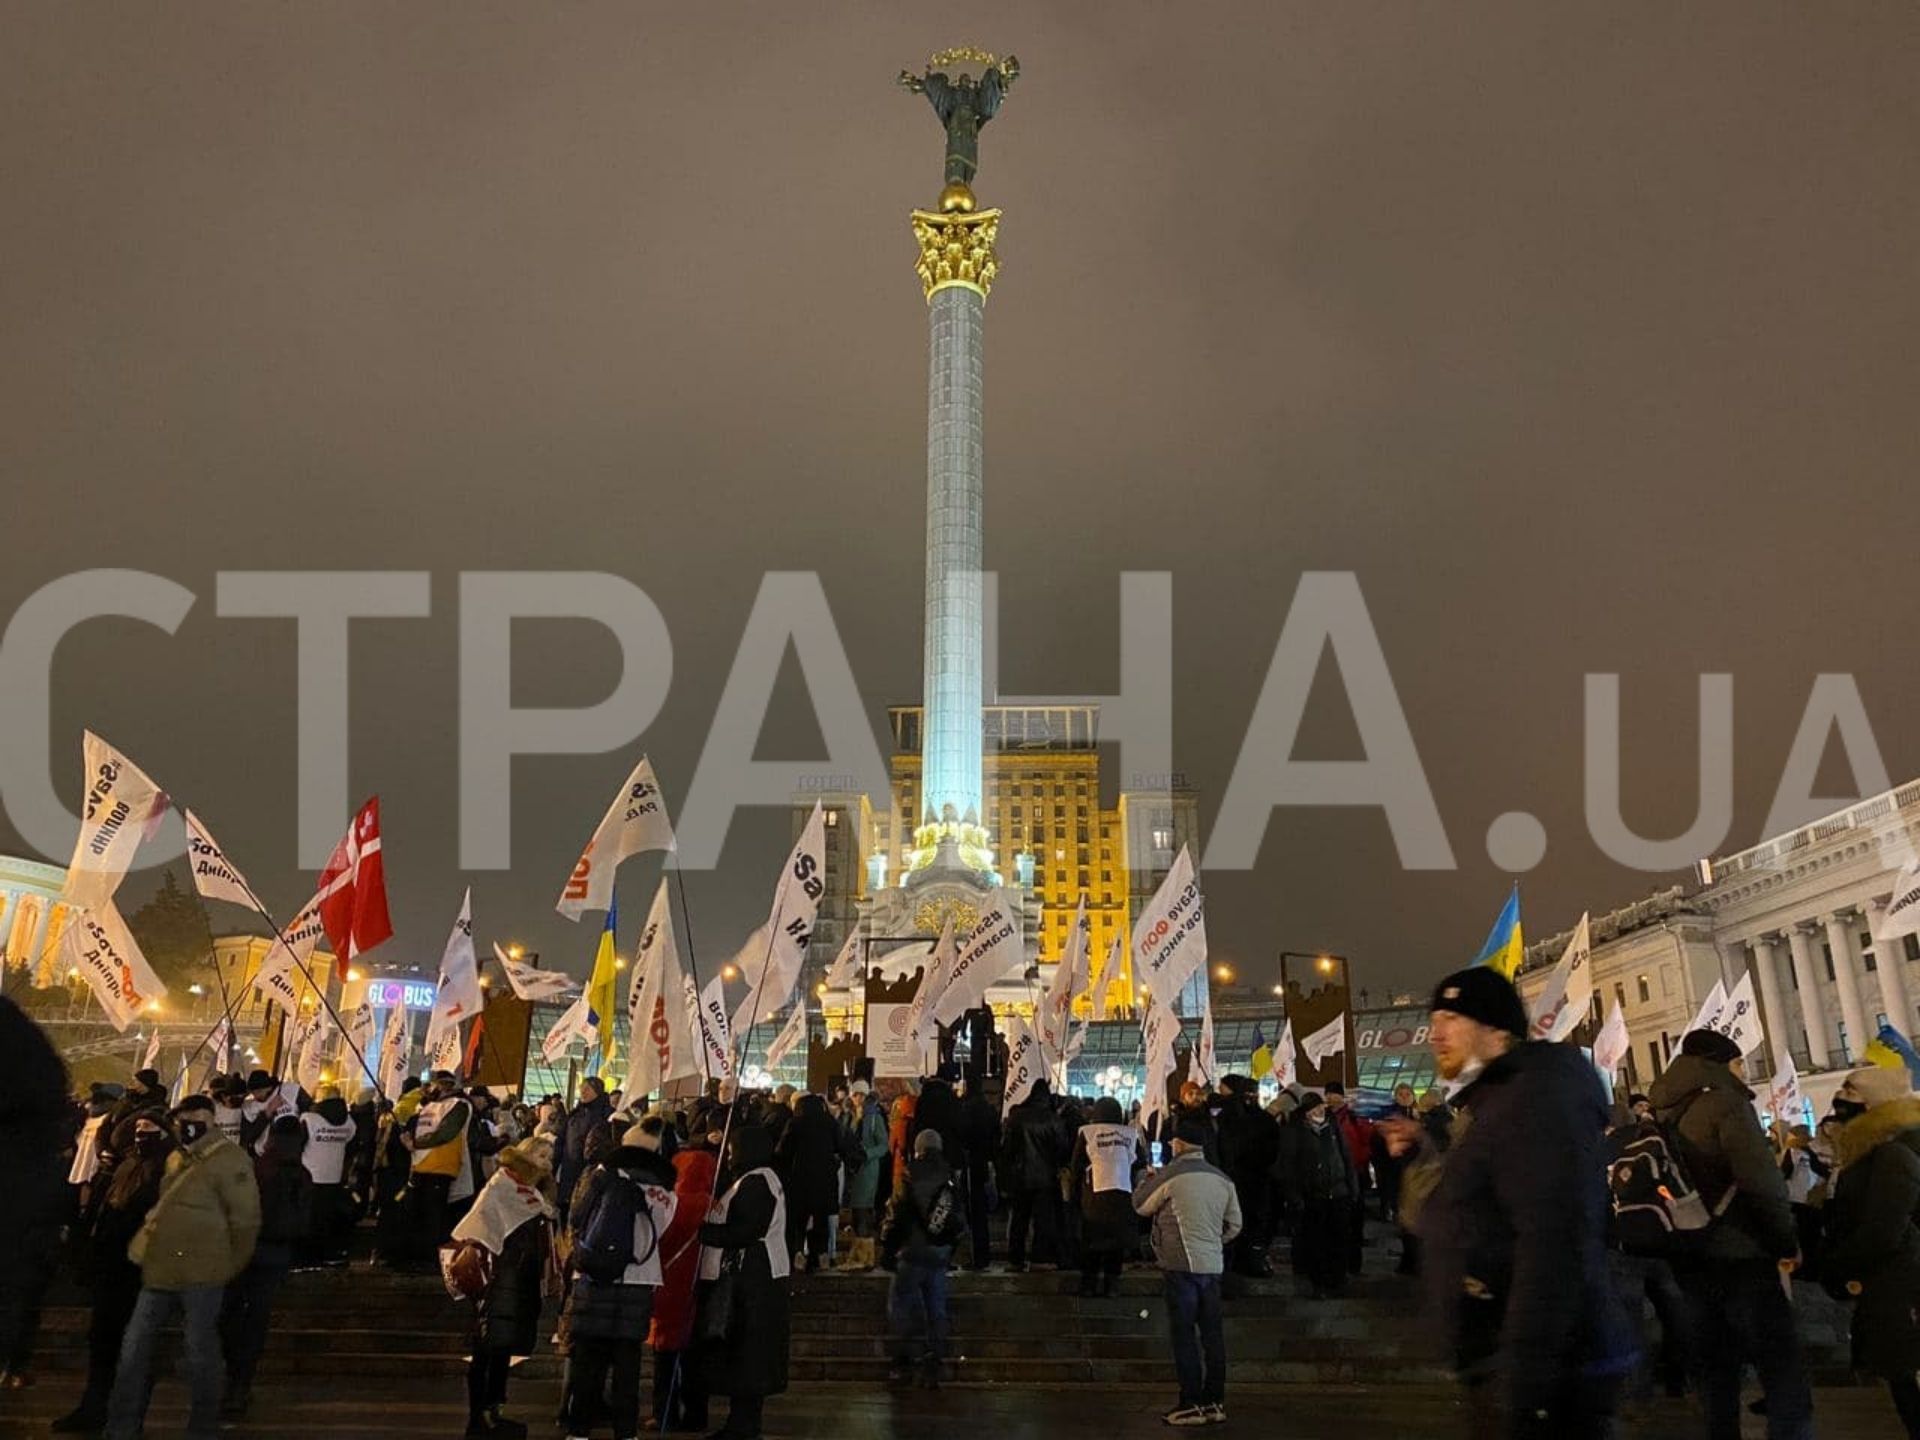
[[1053, 1021], [98, 945], [313, 1055], [1025, 1063], [845, 969], [576, 1023], [1739, 1018], [1783, 1095], [118, 809], [793, 1033], [444, 1053], [396, 1049], [770, 973], [1113, 970], [360, 1028], [991, 951], [458, 996], [1286, 1059], [1329, 1040], [288, 955], [716, 1035], [635, 821], [530, 982], [214, 875], [921, 1029], [1710, 1009], [1569, 991], [1159, 1028], [1902, 915], [1170, 937]]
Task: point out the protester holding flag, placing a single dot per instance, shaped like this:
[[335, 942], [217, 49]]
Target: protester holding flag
[[1872, 1255], [1739, 1311], [744, 1270]]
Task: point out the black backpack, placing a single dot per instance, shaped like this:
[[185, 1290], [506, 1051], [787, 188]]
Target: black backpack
[[943, 1221], [604, 1248], [1657, 1207]]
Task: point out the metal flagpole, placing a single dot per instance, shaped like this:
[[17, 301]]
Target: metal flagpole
[[693, 971]]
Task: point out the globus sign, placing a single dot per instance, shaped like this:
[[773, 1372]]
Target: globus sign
[[410, 994], [1392, 1037]]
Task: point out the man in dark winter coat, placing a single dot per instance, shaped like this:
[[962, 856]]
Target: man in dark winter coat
[[1315, 1175], [33, 1123], [1035, 1146], [1513, 1219], [1249, 1146], [808, 1154], [590, 1115], [1738, 1311], [980, 1142]]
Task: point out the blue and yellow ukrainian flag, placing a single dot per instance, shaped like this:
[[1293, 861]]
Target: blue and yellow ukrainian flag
[[1891, 1050], [1262, 1064], [602, 988], [1504, 944]]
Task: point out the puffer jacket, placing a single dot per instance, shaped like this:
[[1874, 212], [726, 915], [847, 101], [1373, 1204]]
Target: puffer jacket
[[1195, 1212], [1710, 1115], [202, 1229], [1872, 1251]]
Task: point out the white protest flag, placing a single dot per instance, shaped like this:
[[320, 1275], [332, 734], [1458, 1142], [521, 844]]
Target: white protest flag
[[933, 983], [289, 952], [793, 1033], [458, 995], [152, 1057], [214, 876], [360, 1027], [716, 1036], [771, 972], [396, 1048], [221, 1044], [1203, 1056], [1610, 1045], [1710, 1009], [575, 1023], [98, 945], [1329, 1040], [530, 982], [1159, 1027], [1739, 1018], [313, 1055], [444, 1053], [1563, 1004], [1286, 1059], [991, 951], [1902, 915], [1053, 1020], [120, 805], [1170, 937], [636, 821], [1783, 1095], [659, 1039], [1025, 1063], [845, 969], [1111, 971]]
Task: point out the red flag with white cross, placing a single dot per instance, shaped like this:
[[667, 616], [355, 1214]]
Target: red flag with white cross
[[353, 891]]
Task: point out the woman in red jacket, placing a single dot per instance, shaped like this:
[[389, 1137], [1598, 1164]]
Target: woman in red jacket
[[679, 1404]]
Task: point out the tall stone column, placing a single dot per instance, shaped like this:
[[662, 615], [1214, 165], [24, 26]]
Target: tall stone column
[[1771, 1011], [1894, 998], [1813, 1010], [957, 266], [1846, 975]]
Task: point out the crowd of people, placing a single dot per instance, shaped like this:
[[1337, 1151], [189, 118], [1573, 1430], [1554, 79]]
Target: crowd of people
[[634, 1233]]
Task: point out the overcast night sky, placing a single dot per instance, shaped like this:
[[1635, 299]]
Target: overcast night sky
[[1582, 334]]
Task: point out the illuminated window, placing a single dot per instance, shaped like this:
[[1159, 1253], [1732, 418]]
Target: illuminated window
[[1646, 990]]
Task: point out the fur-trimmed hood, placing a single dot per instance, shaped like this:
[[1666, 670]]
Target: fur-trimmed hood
[[1863, 1133]]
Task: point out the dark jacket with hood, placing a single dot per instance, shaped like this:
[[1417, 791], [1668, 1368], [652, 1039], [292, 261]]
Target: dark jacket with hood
[[907, 1236], [1871, 1236], [609, 1310], [1314, 1167], [752, 1359], [1036, 1144], [809, 1156], [1711, 1119], [581, 1124], [1515, 1228], [286, 1192], [938, 1110]]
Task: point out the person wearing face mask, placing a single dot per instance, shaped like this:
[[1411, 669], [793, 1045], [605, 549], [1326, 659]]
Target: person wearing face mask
[[1512, 1219], [198, 1236], [123, 1197], [1314, 1174], [1872, 1254], [1739, 1312]]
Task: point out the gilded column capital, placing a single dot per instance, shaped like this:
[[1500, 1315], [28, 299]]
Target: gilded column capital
[[956, 248]]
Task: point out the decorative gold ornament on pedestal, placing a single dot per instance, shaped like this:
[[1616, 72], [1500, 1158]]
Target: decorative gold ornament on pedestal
[[956, 243]]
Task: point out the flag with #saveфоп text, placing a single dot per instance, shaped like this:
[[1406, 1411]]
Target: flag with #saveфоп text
[[635, 821], [120, 807]]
